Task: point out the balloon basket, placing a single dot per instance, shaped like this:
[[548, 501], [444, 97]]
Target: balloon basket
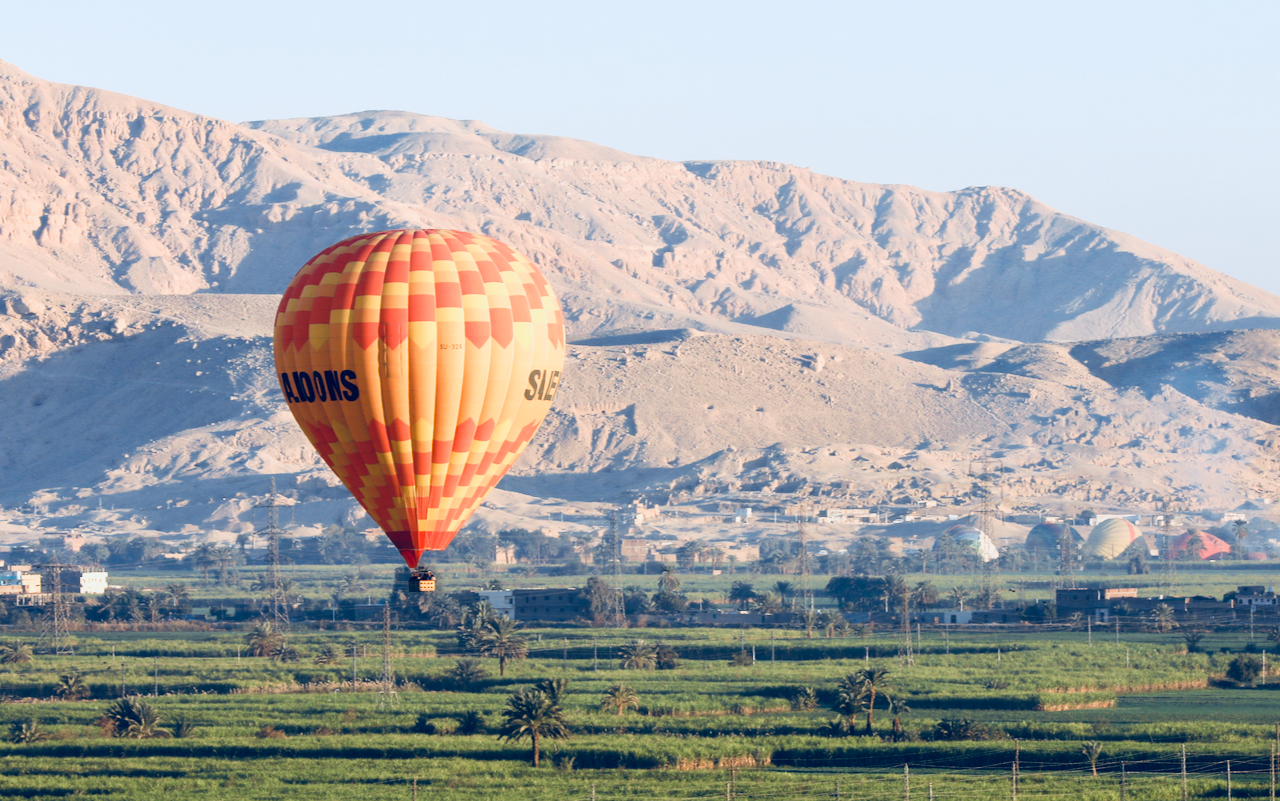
[[422, 580]]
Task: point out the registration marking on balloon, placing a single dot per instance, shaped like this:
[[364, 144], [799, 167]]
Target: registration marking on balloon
[[419, 363]]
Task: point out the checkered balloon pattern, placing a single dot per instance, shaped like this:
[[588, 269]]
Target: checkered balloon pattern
[[419, 363]]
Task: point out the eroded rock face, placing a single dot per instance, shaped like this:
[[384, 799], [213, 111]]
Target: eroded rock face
[[740, 326], [166, 409], [107, 193]]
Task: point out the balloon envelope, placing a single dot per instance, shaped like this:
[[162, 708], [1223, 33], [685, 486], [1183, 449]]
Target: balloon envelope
[[419, 363]]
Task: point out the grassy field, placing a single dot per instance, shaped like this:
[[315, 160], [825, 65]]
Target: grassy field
[[317, 582], [703, 730]]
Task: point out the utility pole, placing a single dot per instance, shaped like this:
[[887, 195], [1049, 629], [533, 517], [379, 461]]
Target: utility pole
[[387, 695], [1123, 782], [1017, 752], [906, 783], [277, 601], [1184, 769]]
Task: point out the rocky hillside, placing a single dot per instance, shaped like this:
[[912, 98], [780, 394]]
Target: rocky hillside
[[107, 193], [743, 330]]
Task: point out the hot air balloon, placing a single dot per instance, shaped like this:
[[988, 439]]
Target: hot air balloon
[[419, 363]]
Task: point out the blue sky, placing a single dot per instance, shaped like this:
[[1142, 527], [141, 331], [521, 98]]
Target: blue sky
[[1159, 119]]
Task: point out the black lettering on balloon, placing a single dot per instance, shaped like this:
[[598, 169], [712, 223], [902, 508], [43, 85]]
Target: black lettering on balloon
[[288, 388], [306, 391], [350, 390], [552, 385], [532, 391], [542, 388], [318, 380], [332, 384]]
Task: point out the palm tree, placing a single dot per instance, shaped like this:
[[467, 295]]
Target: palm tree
[[924, 594], [741, 594], [203, 559], [327, 655], [555, 689], [872, 681], [264, 639], [809, 619], [619, 698], [1192, 637], [668, 581], [958, 596], [466, 672], [497, 638], [135, 719], [531, 714], [16, 653], [768, 604], [851, 701], [1092, 750], [1163, 618], [71, 687], [176, 594], [899, 707], [784, 589], [639, 655]]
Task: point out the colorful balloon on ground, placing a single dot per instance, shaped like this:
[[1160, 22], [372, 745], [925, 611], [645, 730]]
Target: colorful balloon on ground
[[419, 363]]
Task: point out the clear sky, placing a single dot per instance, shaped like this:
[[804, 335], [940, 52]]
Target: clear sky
[[1155, 118]]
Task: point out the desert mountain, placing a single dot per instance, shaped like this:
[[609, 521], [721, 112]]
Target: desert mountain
[[745, 331], [106, 193]]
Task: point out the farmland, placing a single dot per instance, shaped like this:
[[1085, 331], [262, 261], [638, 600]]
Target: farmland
[[297, 729]]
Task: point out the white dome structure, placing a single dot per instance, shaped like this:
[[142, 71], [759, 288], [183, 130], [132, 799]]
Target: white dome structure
[[968, 536]]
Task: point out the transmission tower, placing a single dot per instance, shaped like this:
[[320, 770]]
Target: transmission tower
[[1166, 532], [1067, 558], [54, 628], [984, 517], [277, 600], [387, 696], [803, 565], [616, 616]]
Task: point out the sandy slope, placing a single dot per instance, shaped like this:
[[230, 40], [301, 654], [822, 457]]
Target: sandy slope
[[107, 193]]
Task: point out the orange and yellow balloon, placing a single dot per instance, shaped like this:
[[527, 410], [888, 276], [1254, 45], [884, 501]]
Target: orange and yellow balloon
[[419, 363]]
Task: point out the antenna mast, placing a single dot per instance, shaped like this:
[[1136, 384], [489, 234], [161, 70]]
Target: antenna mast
[[277, 600]]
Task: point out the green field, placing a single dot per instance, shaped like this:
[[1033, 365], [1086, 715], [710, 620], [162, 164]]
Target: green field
[[702, 730]]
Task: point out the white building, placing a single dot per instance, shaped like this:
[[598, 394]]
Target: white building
[[502, 601]]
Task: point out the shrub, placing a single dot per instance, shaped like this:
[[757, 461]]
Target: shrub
[[1245, 669], [135, 719], [71, 687], [742, 659], [183, 729], [429, 725], [270, 732], [805, 699], [27, 731], [964, 729], [465, 673], [16, 653], [472, 722]]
